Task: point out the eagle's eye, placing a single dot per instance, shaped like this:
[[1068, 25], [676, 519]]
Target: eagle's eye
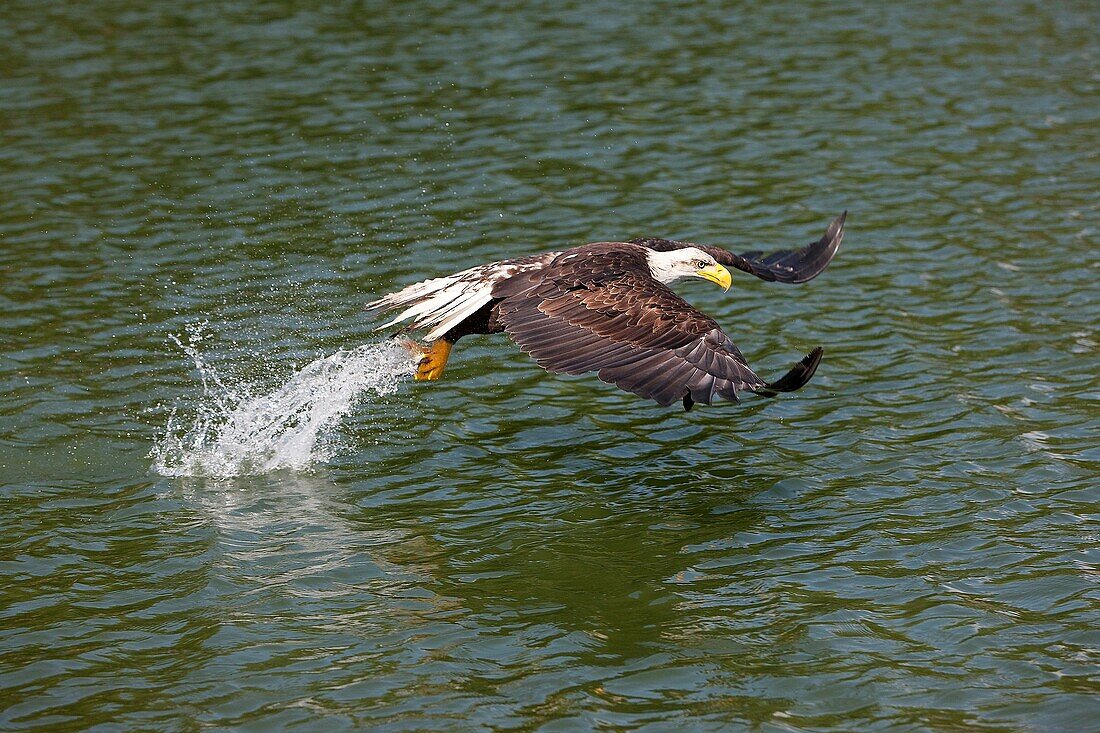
[[700, 264]]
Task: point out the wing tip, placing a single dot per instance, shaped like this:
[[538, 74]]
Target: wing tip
[[819, 254], [797, 378], [836, 228]]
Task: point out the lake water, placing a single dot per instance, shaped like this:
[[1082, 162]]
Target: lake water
[[227, 505]]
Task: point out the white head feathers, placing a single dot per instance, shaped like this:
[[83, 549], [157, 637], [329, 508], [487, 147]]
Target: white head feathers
[[677, 263]]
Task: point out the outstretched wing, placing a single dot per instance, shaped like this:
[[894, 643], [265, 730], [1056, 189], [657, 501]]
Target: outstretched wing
[[785, 266], [637, 334]]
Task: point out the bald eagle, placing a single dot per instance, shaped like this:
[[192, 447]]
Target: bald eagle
[[607, 308]]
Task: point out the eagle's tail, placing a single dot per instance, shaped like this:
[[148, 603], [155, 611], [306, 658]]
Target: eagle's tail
[[438, 304], [442, 303]]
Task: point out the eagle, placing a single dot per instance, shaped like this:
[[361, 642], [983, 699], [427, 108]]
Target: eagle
[[606, 307]]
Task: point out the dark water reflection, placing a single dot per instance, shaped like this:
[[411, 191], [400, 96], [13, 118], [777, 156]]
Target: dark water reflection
[[908, 544]]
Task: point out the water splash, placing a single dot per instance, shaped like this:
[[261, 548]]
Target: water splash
[[237, 433]]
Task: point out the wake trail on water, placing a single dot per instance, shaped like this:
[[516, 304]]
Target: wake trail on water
[[238, 433]]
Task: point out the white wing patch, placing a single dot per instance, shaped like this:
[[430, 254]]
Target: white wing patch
[[442, 303]]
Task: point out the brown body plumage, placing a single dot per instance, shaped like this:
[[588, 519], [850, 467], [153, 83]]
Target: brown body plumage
[[602, 307]]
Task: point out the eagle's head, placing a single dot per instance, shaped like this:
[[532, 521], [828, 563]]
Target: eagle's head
[[686, 262]]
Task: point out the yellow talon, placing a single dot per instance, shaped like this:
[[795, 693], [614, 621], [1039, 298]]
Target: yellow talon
[[433, 361]]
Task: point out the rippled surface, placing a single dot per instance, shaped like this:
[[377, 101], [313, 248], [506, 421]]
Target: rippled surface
[[908, 544]]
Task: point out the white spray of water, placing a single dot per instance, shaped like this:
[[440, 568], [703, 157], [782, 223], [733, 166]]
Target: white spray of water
[[236, 433]]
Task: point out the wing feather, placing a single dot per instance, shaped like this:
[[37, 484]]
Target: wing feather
[[632, 330], [796, 266]]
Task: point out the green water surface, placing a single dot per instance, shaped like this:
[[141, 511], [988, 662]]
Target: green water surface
[[908, 544]]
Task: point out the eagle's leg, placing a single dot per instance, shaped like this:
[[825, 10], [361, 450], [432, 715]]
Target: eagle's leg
[[433, 360], [433, 356]]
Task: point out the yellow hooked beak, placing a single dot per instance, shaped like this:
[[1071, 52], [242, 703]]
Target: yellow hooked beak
[[716, 274]]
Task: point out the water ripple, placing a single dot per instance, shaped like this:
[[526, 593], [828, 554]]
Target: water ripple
[[907, 544]]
